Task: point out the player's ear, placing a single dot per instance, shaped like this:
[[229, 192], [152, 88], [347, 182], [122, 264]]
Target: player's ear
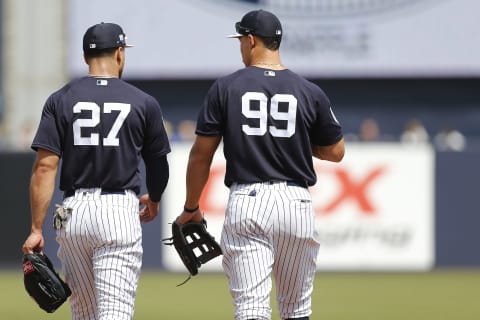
[[251, 40], [119, 55]]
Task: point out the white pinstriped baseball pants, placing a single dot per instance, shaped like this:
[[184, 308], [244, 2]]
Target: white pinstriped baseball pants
[[269, 229], [101, 253]]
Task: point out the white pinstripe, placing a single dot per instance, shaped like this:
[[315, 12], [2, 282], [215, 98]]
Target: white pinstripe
[[101, 253], [269, 229]]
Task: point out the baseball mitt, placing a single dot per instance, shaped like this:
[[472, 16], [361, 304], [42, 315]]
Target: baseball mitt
[[194, 244], [43, 283]]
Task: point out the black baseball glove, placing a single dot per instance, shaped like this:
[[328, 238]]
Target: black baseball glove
[[43, 283], [194, 245]]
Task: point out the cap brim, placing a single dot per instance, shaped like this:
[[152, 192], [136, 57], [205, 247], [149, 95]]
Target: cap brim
[[236, 35], [128, 46]]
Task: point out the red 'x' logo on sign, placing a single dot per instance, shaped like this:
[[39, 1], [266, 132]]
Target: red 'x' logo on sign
[[350, 188], [353, 190]]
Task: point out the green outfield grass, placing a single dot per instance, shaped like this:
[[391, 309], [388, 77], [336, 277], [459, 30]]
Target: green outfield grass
[[439, 295]]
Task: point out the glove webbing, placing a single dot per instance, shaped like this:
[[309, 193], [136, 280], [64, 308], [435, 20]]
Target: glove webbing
[[207, 249], [202, 245]]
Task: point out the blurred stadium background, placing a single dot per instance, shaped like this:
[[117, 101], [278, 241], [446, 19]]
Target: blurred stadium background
[[401, 212]]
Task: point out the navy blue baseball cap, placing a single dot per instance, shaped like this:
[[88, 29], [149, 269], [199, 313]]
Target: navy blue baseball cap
[[259, 23], [104, 36]]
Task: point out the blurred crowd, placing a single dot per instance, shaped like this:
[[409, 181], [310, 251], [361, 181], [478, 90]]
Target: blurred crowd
[[446, 139], [369, 130], [414, 132]]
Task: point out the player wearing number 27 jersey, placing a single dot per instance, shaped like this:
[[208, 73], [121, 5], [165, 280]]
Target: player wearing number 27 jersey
[[101, 127], [272, 121], [109, 125]]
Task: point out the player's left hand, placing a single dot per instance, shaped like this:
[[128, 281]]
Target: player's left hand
[[150, 209], [185, 216], [34, 243]]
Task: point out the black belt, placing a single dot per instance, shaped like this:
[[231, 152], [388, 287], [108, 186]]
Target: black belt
[[297, 184], [70, 193], [291, 183]]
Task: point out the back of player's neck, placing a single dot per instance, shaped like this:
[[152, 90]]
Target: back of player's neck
[[103, 70], [273, 65], [101, 76]]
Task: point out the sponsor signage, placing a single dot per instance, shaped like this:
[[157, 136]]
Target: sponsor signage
[[322, 38], [374, 210]]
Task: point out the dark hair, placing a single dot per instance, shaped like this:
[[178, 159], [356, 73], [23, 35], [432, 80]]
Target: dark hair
[[271, 43], [99, 53]]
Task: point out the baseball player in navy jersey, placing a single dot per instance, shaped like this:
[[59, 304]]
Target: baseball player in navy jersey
[[272, 122], [101, 127]]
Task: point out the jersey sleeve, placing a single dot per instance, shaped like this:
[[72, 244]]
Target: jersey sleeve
[[327, 129], [156, 138], [49, 132], [209, 121]]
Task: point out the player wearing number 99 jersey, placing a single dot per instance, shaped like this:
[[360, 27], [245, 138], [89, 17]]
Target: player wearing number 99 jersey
[[265, 117], [101, 127], [272, 121]]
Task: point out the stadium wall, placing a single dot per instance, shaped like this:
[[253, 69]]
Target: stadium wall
[[455, 223]]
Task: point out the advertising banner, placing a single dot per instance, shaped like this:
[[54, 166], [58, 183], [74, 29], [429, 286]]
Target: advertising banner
[[322, 38], [374, 210]]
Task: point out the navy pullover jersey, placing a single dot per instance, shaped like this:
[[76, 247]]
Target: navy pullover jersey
[[101, 127], [269, 120]]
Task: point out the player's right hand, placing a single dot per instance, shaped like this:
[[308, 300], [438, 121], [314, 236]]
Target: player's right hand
[[149, 210]]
